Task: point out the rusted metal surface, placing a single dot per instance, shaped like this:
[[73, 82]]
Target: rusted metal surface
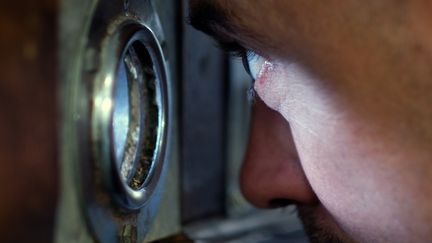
[[28, 120]]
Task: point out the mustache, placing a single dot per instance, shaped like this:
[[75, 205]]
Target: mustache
[[317, 230]]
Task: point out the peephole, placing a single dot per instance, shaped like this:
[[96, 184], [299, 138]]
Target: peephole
[[137, 120], [129, 130], [118, 138]]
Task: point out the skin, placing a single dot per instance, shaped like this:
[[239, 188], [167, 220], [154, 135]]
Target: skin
[[343, 123]]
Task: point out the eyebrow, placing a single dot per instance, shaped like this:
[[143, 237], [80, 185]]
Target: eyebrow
[[210, 18]]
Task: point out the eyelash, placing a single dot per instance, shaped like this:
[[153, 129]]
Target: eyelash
[[232, 48], [237, 51]]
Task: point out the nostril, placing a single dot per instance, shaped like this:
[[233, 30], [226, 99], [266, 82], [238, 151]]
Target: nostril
[[280, 202]]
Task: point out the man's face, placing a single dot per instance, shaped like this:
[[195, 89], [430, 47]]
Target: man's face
[[342, 125]]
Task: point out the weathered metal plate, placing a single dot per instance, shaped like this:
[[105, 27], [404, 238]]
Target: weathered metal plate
[[85, 212]]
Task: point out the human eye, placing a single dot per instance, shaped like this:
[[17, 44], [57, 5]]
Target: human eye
[[252, 63]]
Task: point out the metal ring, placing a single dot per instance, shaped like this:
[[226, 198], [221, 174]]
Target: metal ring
[[138, 187], [130, 179]]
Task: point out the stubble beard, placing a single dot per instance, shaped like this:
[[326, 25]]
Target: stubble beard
[[317, 227]]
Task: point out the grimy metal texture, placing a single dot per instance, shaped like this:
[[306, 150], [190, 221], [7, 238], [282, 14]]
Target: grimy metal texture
[[130, 181], [167, 221], [28, 127], [86, 212], [203, 121]]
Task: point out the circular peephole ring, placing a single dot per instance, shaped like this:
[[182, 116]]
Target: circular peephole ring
[[133, 177]]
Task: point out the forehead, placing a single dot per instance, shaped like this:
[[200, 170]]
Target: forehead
[[275, 26], [247, 23], [297, 27]]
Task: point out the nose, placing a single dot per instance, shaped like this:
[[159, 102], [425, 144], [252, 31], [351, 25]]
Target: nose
[[272, 175]]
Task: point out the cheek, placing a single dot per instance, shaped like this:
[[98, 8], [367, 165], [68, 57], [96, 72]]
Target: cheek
[[359, 176], [365, 185]]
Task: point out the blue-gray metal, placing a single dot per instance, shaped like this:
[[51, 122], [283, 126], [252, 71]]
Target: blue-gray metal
[[203, 126]]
